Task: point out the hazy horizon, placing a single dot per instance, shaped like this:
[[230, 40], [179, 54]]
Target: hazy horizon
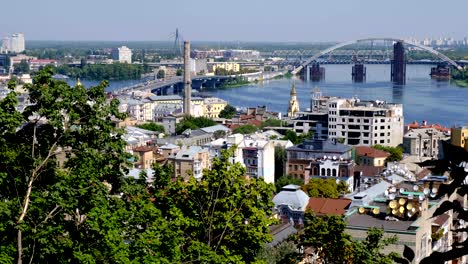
[[300, 21]]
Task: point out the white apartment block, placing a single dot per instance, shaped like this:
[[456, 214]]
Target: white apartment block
[[122, 54], [365, 122], [14, 43], [259, 158]]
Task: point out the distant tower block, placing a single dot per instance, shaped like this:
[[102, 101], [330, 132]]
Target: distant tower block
[[359, 72], [398, 71], [187, 79], [293, 103]]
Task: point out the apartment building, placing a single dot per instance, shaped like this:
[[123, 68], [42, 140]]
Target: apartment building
[[190, 162], [459, 137], [320, 159], [259, 158], [424, 142], [365, 122]]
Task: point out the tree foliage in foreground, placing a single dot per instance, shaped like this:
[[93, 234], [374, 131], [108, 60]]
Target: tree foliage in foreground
[[64, 197], [326, 235], [224, 217]]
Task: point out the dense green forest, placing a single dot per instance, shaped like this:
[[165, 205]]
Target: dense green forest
[[115, 71]]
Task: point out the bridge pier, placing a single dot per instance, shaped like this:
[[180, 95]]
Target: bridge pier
[[359, 72]]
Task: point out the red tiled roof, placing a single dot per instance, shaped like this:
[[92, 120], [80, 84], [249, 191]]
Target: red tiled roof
[[143, 149], [415, 124], [371, 152], [329, 206]]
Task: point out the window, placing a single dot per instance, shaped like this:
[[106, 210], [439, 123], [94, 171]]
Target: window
[[365, 142], [323, 172], [388, 134], [382, 127], [315, 171], [328, 172], [382, 141], [376, 127], [382, 134], [334, 172]]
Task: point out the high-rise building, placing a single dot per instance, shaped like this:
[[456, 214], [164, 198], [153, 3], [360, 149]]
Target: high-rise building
[[122, 54], [365, 122], [17, 42], [14, 43]]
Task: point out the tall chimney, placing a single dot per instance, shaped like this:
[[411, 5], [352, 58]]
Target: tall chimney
[[187, 79]]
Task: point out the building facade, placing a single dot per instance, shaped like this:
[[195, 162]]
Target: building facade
[[122, 54], [365, 122], [304, 157], [190, 162], [258, 157], [424, 142]]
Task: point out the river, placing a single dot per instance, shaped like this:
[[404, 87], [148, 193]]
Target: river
[[422, 98]]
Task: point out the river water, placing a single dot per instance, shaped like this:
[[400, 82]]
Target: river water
[[422, 98]]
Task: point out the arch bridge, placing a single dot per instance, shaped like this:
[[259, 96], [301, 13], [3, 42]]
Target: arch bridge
[[328, 50]]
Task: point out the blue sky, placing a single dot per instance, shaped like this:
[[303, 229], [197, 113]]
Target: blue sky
[[239, 20]]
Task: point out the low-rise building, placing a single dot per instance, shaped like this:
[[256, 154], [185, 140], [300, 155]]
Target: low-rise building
[[424, 142], [300, 157], [370, 156], [291, 203], [147, 156], [213, 106], [190, 162]]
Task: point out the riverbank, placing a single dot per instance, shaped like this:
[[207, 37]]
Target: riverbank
[[461, 83], [287, 75]]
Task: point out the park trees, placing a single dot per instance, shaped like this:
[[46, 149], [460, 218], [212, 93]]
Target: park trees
[[325, 188]]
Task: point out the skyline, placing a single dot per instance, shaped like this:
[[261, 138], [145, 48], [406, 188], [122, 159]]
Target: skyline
[[244, 21]]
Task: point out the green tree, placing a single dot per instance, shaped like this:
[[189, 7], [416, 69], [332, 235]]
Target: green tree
[[152, 126], [285, 252], [369, 250], [245, 129], [280, 160], [396, 153], [326, 235], [64, 197], [273, 123], [161, 74], [285, 180], [224, 216], [179, 72], [228, 112], [22, 67], [326, 188], [190, 122], [295, 138]]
